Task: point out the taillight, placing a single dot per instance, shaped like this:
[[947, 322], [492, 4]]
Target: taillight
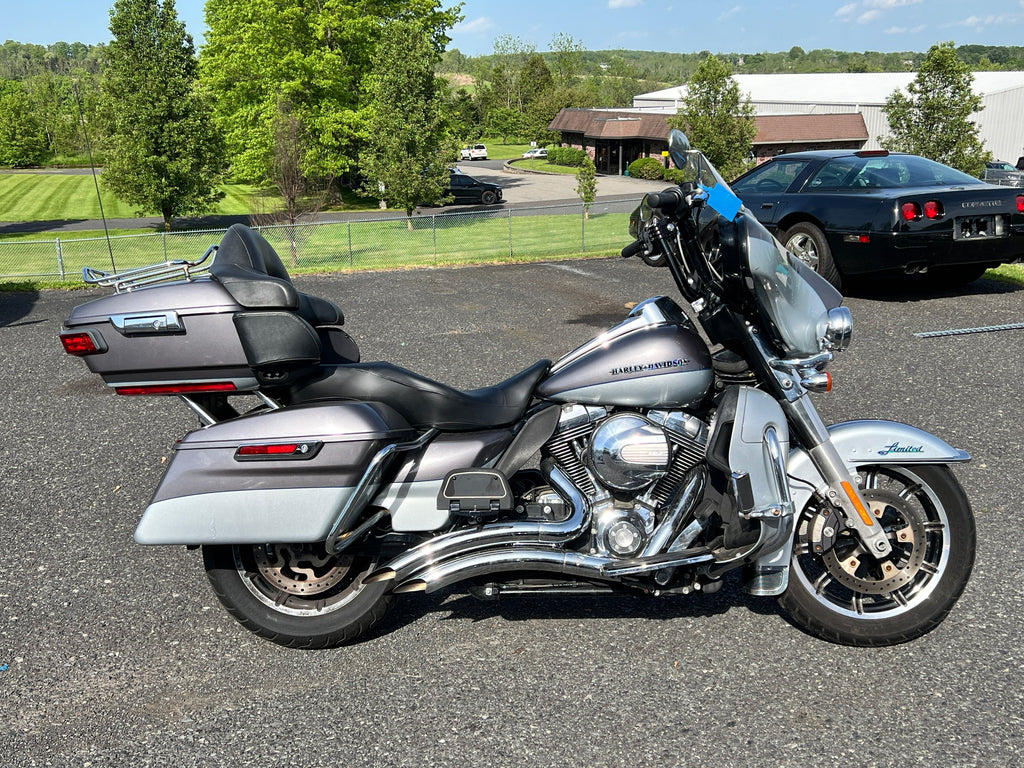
[[82, 343], [1020, 203], [911, 211], [933, 209], [294, 451], [178, 389]]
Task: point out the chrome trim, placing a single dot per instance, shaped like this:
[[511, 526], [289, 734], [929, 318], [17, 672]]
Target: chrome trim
[[205, 417], [154, 273], [367, 487], [147, 322], [839, 331], [669, 528]]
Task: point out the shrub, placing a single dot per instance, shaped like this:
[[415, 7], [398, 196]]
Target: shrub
[[567, 156], [678, 175], [646, 168]]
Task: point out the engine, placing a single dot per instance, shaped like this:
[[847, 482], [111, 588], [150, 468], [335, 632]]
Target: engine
[[630, 465]]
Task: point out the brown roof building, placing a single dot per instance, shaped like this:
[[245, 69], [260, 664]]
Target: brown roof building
[[615, 138]]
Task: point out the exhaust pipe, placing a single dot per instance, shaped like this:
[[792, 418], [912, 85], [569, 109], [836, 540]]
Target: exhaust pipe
[[494, 535]]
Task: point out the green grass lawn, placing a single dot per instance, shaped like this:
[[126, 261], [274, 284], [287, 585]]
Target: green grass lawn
[[441, 239], [545, 166], [66, 197]]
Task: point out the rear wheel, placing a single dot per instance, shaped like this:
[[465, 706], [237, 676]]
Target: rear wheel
[[490, 197], [807, 242], [840, 593], [296, 594]]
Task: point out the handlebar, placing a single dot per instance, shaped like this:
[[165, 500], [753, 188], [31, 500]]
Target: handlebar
[[666, 201], [633, 249]]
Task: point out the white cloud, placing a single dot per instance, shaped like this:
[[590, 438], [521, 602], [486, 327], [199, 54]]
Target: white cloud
[[890, 3], [731, 12], [868, 16], [904, 30], [475, 27], [613, 4], [849, 8]]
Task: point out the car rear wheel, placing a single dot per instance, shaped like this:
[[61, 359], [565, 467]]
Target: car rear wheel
[[807, 242], [490, 197]]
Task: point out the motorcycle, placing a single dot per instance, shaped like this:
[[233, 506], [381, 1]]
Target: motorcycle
[[675, 448]]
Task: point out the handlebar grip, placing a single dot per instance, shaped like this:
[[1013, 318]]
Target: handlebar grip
[[667, 200], [633, 249]]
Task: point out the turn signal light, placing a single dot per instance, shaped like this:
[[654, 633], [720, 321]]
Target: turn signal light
[[933, 209], [178, 389], [911, 211]]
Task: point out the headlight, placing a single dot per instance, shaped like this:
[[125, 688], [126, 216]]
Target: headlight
[[839, 330]]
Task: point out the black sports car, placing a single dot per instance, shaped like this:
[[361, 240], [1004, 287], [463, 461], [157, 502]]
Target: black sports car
[[850, 213], [466, 189]]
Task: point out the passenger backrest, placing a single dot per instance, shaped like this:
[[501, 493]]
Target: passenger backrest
[[251, 271]]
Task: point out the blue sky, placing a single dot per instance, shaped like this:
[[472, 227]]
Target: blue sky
[[743, 26]]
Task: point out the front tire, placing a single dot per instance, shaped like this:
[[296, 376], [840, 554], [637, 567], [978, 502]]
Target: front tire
[[844, 595], [489, 197], [808, 243], [295, 594]]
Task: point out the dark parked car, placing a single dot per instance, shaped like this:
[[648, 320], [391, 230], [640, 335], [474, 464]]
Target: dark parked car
[[850, 213], [466, 189]]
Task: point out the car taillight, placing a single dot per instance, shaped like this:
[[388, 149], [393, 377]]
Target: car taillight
[[82, 343], [933, 209], [911, 211], [178, 389], [1020, 203]]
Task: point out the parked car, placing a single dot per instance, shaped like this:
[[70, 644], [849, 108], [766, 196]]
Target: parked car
[[465, 189], [1003, 173], [476, 152], [849, 213], [537, 153]]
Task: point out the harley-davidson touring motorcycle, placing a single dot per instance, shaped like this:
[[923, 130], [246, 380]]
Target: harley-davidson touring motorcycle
[[673, 449]]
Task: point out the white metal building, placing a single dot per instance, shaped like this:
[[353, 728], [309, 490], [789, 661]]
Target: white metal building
[[1000, 123]]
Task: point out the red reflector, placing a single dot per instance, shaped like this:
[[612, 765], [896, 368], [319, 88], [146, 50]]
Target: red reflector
[[933, 209], [177, 389], [78, 344], [1020, 203], [865, 238], [268, 450], [911, 211]]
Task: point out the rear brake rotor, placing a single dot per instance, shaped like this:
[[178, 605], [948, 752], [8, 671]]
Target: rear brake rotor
[[300, 569]]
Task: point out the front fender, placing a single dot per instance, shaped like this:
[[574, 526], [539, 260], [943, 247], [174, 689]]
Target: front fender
[[859, 443]]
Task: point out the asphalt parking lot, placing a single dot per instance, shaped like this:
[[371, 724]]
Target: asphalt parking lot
[[112, 654]]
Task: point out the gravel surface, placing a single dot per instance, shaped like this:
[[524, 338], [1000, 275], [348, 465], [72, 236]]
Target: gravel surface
[[113, 654]]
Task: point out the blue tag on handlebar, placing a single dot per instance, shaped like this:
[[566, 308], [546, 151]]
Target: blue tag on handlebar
[[723, 200]]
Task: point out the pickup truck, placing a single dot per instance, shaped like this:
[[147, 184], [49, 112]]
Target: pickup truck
[[476, 152], [1002, 173]]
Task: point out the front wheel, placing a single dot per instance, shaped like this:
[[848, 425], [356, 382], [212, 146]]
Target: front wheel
[[840, 593], [296, 594], [489, 197]]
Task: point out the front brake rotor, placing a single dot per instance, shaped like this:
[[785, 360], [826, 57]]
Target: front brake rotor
[[904, 524]]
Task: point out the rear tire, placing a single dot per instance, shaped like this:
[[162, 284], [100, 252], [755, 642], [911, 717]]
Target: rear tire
[[846, 596], [295, 594], [808, 243], [489, 197]]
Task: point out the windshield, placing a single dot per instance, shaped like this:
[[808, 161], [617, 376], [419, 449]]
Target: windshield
[[794, 297], [885, 172]]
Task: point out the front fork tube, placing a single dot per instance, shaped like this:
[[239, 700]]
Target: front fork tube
[[840, 487]]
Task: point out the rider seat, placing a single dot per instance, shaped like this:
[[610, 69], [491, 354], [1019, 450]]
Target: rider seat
[[426, 403]]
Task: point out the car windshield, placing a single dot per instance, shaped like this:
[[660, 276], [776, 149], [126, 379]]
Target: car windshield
[[884, 172], [774, 176]]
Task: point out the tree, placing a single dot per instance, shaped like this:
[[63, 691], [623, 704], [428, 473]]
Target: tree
[[934, 119], [22, 135], [567, 57], [408, 148], [163, 153], [314, 54], [717, 120], [586, 185]]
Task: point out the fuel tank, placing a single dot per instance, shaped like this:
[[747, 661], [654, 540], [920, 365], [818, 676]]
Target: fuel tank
[[647, 366]]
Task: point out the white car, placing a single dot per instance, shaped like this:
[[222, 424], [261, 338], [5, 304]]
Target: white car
[[476, 152], [538, 153]]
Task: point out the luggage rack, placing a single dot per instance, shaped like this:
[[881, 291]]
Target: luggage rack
[[154, 273]]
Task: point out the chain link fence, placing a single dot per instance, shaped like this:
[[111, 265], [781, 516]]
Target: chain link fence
[[380, 242]]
